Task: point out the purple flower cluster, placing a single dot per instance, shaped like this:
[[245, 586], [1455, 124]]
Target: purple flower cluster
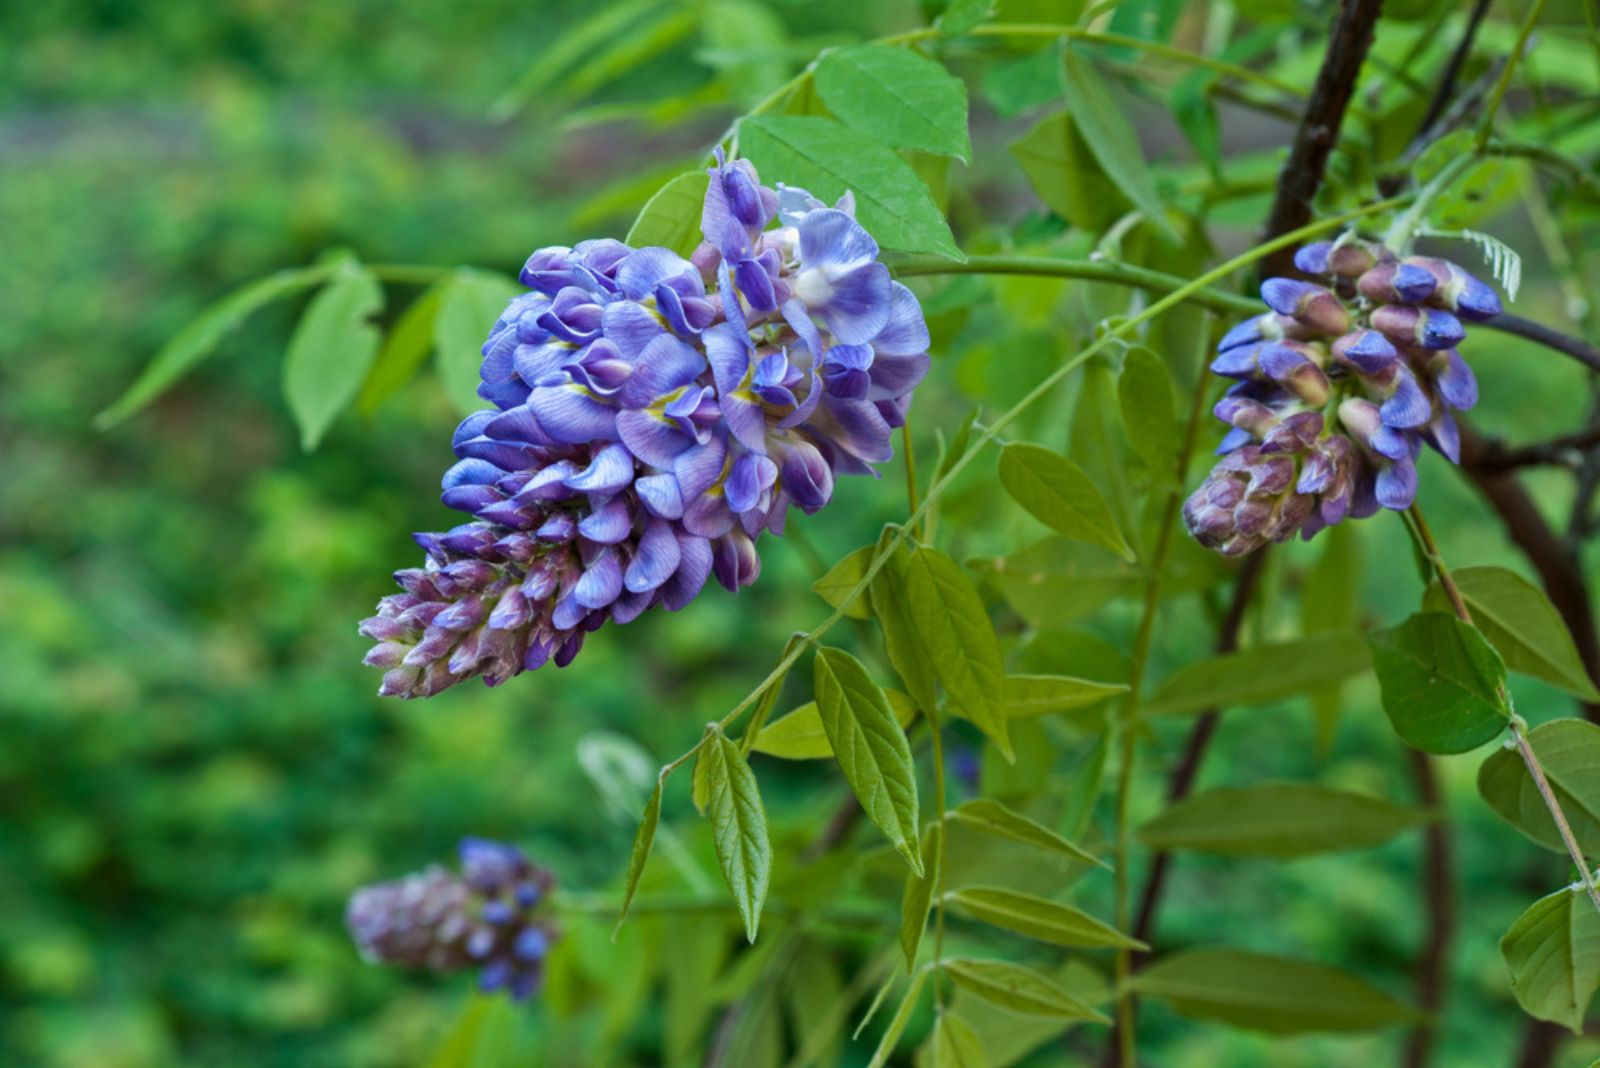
[[490, 917], [1339, 385], [652, 415]]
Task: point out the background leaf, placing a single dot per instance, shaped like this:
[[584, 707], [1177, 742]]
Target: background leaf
[[468, 309], [1277, 820], [1019, 989], [1260, 674], [1066, 176], [1110, 135], [739, 827], [955, 1044], [1569, 751], [331, 351], [671, 218], [800, 735], [918, 895], [1058, 493], [1039, 918], [1553, 954], [841, 578], [404, 349], [958, 639], [991, 817], [897, 96], [1144, 392], [1048, 695], [1441, 683]]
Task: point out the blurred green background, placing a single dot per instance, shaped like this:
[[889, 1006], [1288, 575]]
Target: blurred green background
[[193, 770]]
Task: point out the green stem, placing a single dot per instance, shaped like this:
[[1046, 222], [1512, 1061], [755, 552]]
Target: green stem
[[1498, 95], [1405, 226], [1423, 535], [1089, 270], [935, 728]]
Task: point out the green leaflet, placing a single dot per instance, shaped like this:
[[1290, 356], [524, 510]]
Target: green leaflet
[[1047, 695], [993, 818], [829, 158], [1257, 992], [918, 895], [1442, 683], [1522, 625], [471, 302], [1059, 494], [1061, 168], [1110, 136], [841, 578], [800, 735], [897, 1024], [1569, 751], [1039, 918], [892, 607], [738, 825], [897, 96], [870, 747], [954, 1044], [331, 351], [406, 346], [1277, 820], [959, 640], [643, 839], [1019, 989], [1144, 393], [1261, 674], [1553, 954], [671, 218]]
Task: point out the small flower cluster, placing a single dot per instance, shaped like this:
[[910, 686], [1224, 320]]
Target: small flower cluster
[[489, 917], [1339, 385], [651, 416]]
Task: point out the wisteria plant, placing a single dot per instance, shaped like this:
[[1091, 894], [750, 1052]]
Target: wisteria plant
[[1013, 729]]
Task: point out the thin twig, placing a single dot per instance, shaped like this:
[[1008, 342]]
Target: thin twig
[[1550, 338], [1567, 450]]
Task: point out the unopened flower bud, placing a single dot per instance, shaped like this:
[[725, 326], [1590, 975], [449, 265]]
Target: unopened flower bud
[[1427, 328], [1315, 306]]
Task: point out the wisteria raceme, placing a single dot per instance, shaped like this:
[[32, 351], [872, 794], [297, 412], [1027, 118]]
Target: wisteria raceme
[[651, 417], [491, 916], [1340, 383]]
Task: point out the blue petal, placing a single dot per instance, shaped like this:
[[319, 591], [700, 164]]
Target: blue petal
[[656, 560], [471, 472], [830, 238], [728, 350], [699, 468], [601, 583], [1409, 406], [1397, 485], [518, 424], [858, 304], [573, 415], [746, 419], [666, 364], [1457, 384], [855, 426], [611, 523], [906, 332], [807, 478], [660, 495], [630, 327], [609, 471], [751, 477], [646, 268], [655, 440], [694, 567]]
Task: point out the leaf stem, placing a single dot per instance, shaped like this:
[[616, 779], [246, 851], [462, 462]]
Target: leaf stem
[[1090, 270], [936, 729], [1423, 534]]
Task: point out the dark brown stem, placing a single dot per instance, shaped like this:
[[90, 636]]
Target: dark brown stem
[[1577, 348], [1452, 70], [1440, 896], [1565, 451], [1539, 1044], [1301, 177]]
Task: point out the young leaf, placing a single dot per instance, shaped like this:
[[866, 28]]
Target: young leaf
[[870, 747], [1259, 675], [331, 351], [1330, 600], [993, 818], [892, 606], [643, 839], [1257, 992], [769, 696], [403, 351], [919, 895], [1040, 918], [1569, 751], [1522, 625], [1442, 684], [1064, 174], [468, 310], [1144, 393], [1060, 495], [1277, 820], [584, 39], [799, 735], [1110, 135], [1018, 989], [897, 96], [955, 1044], [200, 338], [671, 218], [828, 158], [1553, 954], [959, 640], [1047, 695], [816, 999], [739, 827], [897, 1024], [961, 16], [842, 578]]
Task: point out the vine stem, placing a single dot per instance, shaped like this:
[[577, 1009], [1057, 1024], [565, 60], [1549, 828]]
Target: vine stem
[[1423, 535], [1089, 270]]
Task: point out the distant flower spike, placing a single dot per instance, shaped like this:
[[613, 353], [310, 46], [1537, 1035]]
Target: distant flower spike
[[651, 417], [1339, 386]]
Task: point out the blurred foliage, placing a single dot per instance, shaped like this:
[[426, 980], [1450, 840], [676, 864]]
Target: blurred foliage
[[193, 771]]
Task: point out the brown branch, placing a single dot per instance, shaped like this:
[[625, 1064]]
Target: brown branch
[[1565, 451], [1452, 69], [1440, 895], [1301, 177], [1577, 348]]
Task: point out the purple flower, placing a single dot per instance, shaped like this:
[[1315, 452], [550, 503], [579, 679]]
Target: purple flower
[[490, 917], [651, 417]]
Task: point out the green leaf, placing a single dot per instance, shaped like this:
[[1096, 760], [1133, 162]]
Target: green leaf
[[671, 218], [918, 894], [828, 158], [1442, 684], [800, 735], [471, 304], [1277, 820], [200, 338], [870, 747], [896, 96], [582, 40], [1330, 600], [962, 16], [841, 578], [1018, 989], [1039, 918], [955, 1044], [331, 351], [993, 818], [1569, 751], [897, 1025], [1064, 174], [891, 606], [404, 349], [1047, 695], [1257, 992], [738, 825], [1144, 393], [959, 640], [1553, 954], [1522, 625], [643, 839], [1110, 136], [1060, 495], [1259, 675], [477, 1036]]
